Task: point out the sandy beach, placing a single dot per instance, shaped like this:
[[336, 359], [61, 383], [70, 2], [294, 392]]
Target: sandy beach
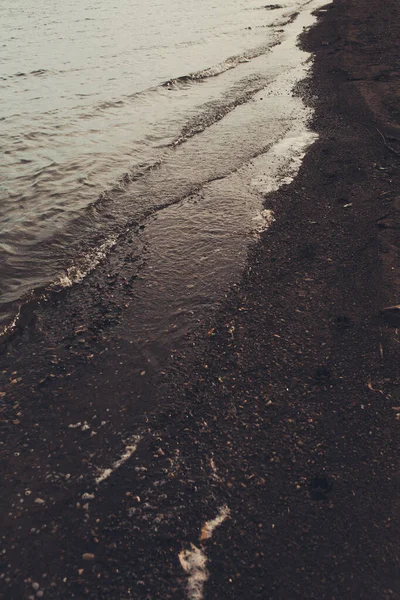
[[261, 459]]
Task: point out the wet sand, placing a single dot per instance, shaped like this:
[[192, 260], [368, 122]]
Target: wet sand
[[267, 466]]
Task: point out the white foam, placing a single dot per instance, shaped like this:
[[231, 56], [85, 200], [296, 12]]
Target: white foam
[[210, 526], [194, 561], [72, 275], [12, 324], [284, 159], [129, 450], [76, 274], [263, 220], [281, 163]]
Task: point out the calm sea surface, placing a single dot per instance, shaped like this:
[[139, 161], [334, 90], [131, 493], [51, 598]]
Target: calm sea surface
[[98, 103]]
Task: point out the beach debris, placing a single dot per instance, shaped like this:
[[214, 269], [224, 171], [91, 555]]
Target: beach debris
[[347, 205], [39, 501], [391, 315], [214, 470], [370, 386]]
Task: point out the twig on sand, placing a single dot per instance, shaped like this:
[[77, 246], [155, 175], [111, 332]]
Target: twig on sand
[[384, 141]]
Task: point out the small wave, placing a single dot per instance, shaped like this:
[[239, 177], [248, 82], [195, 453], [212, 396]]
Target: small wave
[[134, 174], [109, 104], [217, 110], [230, 63], [38, 73], [288, 19], [72, 275], [103, 106], [77, 273], [86, 260]]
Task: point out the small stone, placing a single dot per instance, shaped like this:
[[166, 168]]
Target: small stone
[[39, 501], [2, 394], [35, 586], [88, 556], [87, 496], [40, 594]]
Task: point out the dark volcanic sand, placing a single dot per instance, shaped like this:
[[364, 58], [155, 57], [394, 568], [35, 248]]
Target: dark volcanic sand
[[291, 391]]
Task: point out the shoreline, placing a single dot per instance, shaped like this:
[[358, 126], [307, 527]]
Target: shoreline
[[280, 411]]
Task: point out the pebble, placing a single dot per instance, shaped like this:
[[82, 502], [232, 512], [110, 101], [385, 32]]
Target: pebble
[[87, 496], [39, 501], [35, 586], [88, 556]]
